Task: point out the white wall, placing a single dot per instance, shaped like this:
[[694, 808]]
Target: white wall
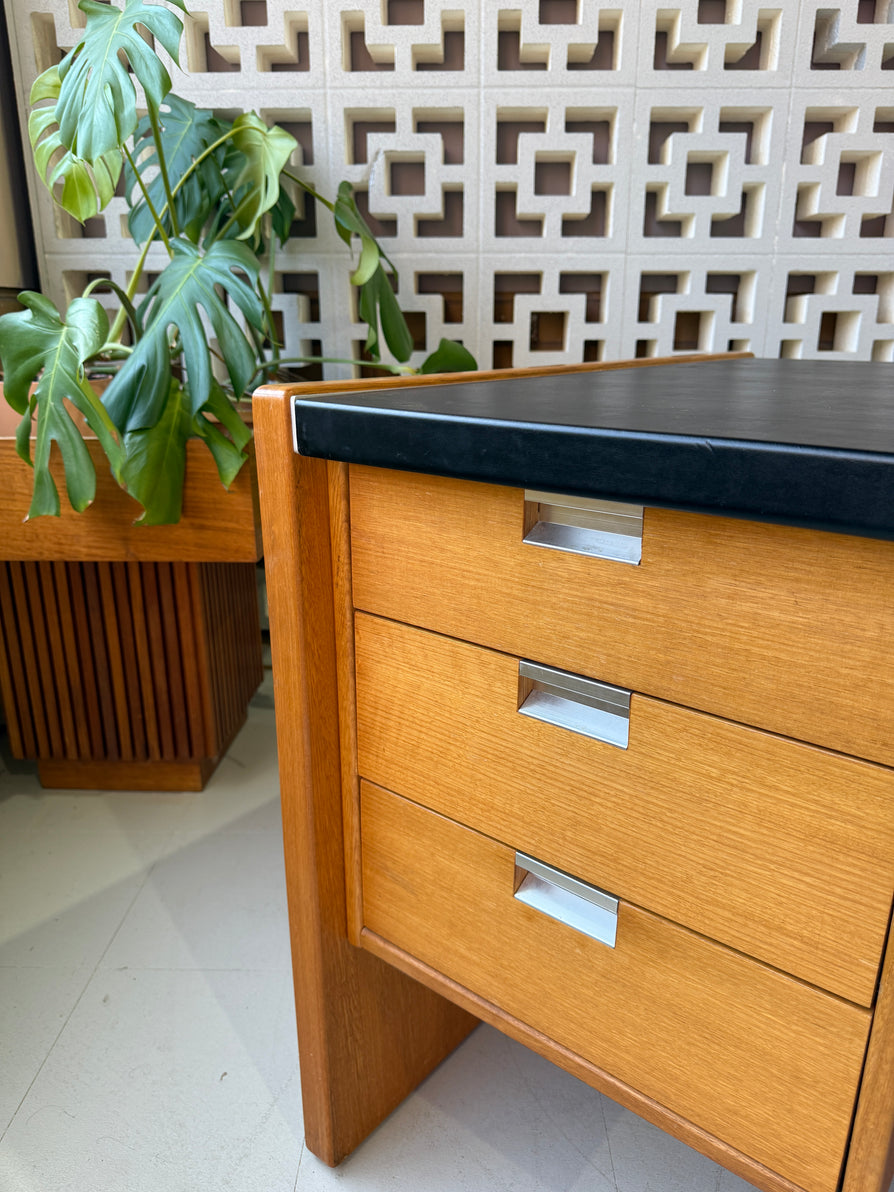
[[722, 173]]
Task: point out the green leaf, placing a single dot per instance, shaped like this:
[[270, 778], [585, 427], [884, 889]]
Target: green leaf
[[282, 214], [349, 222], [97, 107], [449, 356], [156, 461], [36, 345], [378, 304], [189, 284], [228, 452], [86, 188], [265, 153], [186, 132]]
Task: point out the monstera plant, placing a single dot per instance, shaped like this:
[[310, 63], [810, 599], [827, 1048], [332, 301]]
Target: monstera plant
[[217, 194]]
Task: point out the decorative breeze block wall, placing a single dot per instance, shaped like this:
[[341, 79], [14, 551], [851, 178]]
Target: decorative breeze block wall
[[556, 180]]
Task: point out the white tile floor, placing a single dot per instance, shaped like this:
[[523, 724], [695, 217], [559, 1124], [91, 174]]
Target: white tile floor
[[147, 1037]]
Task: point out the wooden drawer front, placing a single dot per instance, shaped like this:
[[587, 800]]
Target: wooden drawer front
[[783, 628], [762, 1061], [777, 848]]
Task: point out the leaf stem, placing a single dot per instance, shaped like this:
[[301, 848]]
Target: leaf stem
[[191, 169], [305, 186], [155, 217], [162, 165], [395, 369], [120, 317]]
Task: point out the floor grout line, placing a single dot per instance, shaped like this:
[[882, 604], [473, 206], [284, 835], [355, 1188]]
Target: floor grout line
[[608, 1142], [91, 973], [300, 1161]]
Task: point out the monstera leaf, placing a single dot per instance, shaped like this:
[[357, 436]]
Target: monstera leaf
[[97, 108], [156, 457], [449, 357], [264, 152], [86, 188], [229, 453], [156, 460], [379, 305], [36, 343], [185, 133], [349, 223], [138, 394]]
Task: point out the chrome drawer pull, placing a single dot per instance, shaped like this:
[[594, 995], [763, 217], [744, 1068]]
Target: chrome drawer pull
[[585, 526], [581, 705], [572, 902]]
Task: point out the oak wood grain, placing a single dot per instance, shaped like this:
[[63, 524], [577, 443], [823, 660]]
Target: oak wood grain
[[216, 524], [367, 1034], [870, 1163], [779, 849], [365, 384], [340, 522], [766, 1063], [783, 628], [659, 1115], [110, 665]]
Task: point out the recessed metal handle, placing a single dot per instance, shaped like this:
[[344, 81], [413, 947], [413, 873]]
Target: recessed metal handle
[[584, 907], [580, 705], [585, 526]]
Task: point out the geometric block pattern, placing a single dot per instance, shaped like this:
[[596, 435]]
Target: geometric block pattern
[[556, 180]]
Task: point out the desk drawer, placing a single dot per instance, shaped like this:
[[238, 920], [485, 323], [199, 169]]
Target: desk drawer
[[762, 1061], [777, 848], [787, 629]]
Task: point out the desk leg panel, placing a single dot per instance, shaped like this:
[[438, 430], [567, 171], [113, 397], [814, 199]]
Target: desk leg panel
[[367, 1033]]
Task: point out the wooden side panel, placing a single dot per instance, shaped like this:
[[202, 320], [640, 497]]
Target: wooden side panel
[[340, 520], [122, 675], [870, 1163], [772, 626], [367, 1034], [750, 1055], [217, 526]]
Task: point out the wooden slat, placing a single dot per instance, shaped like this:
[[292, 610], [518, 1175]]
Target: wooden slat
[[213, 615], [773, 626], [189, 650], [52, 622], [13, 684], [100, 649], [204, 658], [367, 1034], [766, 1063], [44, 671], [83, 630], [174, 662], [38, 716], [130, 660], [112, 639], [158, 659], [216, 526], [67, 658], [136, 601]]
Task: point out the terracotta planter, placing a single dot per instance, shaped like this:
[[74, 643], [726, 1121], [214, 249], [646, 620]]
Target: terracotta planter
[[128, 655]]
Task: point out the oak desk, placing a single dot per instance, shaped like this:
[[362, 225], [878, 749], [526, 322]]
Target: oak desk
[[585, 702]]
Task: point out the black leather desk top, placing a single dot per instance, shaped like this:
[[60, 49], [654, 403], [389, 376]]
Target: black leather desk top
[[803, 442]]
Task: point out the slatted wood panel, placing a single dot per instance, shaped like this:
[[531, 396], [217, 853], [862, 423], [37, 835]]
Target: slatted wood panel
[[127, 675]]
